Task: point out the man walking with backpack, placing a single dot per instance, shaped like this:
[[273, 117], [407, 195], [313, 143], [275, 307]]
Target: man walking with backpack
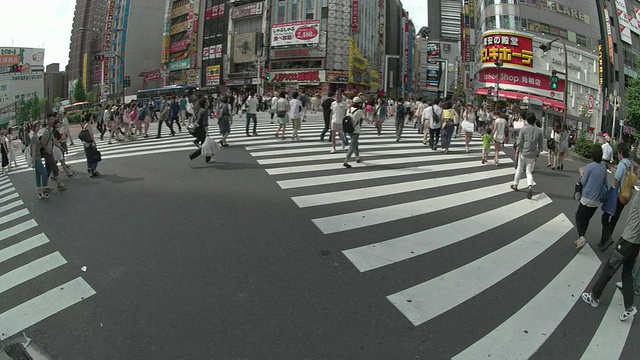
[[400, 111], [625, 190], [431, 118], [351, 125]]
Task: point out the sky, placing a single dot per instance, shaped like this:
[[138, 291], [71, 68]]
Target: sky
[[48, 25]]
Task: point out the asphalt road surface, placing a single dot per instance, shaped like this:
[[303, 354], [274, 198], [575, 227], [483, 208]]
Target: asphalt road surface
[[276, 251]]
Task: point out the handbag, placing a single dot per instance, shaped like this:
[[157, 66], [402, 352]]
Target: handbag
[[467, 126], [610, 206]]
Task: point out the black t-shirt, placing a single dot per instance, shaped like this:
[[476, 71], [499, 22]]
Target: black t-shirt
[[326, 105]]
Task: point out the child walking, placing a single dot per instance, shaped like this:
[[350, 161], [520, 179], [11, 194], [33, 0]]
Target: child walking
[[487, 140]]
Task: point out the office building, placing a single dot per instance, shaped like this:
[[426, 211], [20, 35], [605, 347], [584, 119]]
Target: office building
[[19, 84], [180, 63], [132, 43], [56, 84], [85, 44]]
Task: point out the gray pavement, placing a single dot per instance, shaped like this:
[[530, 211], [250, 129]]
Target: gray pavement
[[277, 252]]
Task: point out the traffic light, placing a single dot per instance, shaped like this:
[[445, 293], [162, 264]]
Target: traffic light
[[98, 58], [489, 92], [267, 76], [553, 80], [15, 68], [127, 81]]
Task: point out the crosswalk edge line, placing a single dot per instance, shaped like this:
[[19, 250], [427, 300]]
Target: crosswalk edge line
[[609, 340], [540, 316], [423, 302], [43, 306], [377, 255], [22, 247], [31, 270]]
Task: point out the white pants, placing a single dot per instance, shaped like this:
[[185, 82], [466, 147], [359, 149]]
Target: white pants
[[522, 162]]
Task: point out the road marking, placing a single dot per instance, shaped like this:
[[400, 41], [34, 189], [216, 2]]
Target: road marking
[[388, 252], [5, 180], [338, 165], [327, 148], [11, 205], [15, 230], [7, 198], [13, 216], [611, 336], [30, 271], [22, 247], [520, 336], [349, 177], [336, 197], [41, 307], [6, 185], [425, 301], [7, 191], [350, 221]]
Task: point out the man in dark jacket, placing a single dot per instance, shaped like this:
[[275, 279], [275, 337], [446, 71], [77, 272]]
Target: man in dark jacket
[[326, 113]]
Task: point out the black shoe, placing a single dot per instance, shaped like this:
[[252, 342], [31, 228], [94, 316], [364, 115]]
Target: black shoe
[[347, 165], [530, 193], [248, 135], [604, 246], [208, 159], [158, 137]]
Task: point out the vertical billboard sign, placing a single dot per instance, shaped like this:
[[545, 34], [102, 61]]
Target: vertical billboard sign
[[405, 63], [107, 39], [355, 15], [609, 37]]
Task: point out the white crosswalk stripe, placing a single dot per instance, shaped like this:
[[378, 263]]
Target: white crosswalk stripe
[[436, 183], [20, 235]]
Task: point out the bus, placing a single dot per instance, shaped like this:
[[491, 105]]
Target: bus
[[156, 95], [77, 107]]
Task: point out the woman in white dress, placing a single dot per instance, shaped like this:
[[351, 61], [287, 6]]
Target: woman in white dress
[[12, 149]]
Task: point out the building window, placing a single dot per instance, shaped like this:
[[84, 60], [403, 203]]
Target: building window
[[282, 6], [295, 10], [310, 9]]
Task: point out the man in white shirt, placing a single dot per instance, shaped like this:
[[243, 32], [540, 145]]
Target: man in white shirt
[[338, 112], [252, 111], [607, 151], [434, 126], [273, 105]]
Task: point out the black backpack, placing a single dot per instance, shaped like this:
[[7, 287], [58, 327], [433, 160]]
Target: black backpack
[[435, 117], [400, 111], [347, 125]]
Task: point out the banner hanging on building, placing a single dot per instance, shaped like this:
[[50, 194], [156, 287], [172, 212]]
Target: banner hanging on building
[[510, 48], [213, 75], [295, 33]]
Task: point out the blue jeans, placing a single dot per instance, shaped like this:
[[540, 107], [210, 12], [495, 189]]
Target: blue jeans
[[255, 122], [42, 178], [353, 147]]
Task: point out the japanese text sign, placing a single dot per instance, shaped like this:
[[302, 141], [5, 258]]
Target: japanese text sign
[[511, 49], [295, 33]]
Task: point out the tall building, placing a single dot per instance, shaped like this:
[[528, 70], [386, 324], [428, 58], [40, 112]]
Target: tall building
[[442, 50], [180, 61], [248, 24], [214, 40], [19, 84], [619, 51], [85, 44], [56, 84], [393, 49], [133, 32], [512, 31]]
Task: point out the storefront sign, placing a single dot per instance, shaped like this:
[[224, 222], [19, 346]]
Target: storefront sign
[[355, 15], [238, 82], [212, 52], [555, 7], [214, 12], [510, 48], [433, 50], [600, 64], [180, 65], [295, 33], [299, 76], [570, 65], [152, 75], [246, 10], [520, 80], [609, 37], [291, 53], [213, 75], [179, 46], [180, 10], [178, 28], [337, 76]]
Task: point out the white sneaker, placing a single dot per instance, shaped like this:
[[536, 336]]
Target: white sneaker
[[627, 313], [580, 243], [333, 151], [619, 285], [589, 299]]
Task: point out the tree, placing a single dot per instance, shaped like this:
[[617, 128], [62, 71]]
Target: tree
[[22, 113], [92, 97], [632, 102], [79, 94], [57, 104], [36, 107]]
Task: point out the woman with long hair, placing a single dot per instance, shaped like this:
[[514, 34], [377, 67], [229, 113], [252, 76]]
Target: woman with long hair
[[449, 118]]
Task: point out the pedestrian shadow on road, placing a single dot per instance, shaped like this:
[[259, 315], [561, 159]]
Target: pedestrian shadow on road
[[116, 179], [220, 165], [559, 196]]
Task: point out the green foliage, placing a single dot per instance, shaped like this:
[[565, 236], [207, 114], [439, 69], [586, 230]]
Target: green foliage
[[583, 145], [79, 94], [92, 97], [22, 113], [57, 103], [75, 118], [632, 102], [36, 108]]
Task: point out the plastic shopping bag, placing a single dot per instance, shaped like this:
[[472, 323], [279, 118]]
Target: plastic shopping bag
[[209, 147]]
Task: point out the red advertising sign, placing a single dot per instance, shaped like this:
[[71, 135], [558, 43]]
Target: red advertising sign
[[214, 12], [179, 45], [355, 15], [246, 10], [510, 48], [291, 53], [299, 76], [152, 75]]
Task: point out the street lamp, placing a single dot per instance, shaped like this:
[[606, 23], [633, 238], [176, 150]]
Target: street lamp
[[615, 100], [546, 47], [498, 65]]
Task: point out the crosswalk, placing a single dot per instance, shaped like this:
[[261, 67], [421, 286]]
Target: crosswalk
[[24, 259], [437, 197]]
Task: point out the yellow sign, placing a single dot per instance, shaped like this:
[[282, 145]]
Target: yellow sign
[[178, 28], [181, 10], [359, 69], [84, 71]]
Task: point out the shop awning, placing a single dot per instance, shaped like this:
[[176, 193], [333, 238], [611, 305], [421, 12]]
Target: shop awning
[[514, 95]]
